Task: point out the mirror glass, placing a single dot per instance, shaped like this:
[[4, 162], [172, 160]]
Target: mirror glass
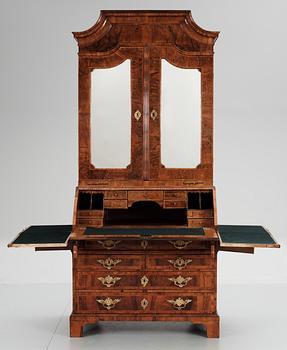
[[111, 116], [180, 116]]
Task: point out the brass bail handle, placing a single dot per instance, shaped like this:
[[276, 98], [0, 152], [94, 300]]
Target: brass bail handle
[[153, 114]]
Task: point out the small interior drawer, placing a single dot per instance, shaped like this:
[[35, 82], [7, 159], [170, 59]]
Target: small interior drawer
[[198, 214], [174, 204], [200, 222], [145, 195], [175, 195], [116, 195], [115, 203]]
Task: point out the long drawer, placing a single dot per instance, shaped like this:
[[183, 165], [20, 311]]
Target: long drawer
[[117, 302], [147, 244], [114, 280]]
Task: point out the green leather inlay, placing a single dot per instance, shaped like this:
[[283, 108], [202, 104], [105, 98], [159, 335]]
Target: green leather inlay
[[244, 234], [44, 234]]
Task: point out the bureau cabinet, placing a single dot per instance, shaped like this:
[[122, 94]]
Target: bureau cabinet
[[145, 237]]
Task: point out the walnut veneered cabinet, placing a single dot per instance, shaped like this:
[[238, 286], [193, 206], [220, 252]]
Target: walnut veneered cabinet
[[145, 237]]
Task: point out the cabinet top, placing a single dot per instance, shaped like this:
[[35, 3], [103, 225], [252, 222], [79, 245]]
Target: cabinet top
[[155, 107]]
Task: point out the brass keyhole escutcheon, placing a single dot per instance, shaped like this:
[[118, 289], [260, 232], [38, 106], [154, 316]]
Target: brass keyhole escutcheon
[[137, 115], [153, 114]]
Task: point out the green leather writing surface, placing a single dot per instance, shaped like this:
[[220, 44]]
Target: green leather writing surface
[[42, 235], [249, 235], [144, 231]]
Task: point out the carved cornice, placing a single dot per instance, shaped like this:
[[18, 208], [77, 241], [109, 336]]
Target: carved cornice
[[113, 29]]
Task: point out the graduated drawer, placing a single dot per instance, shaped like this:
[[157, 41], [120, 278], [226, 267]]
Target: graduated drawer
[[145, 195], [114, 280], [175, 195], [147, 244], [116, 195], [138, 302], [110, 262], [179, 262]]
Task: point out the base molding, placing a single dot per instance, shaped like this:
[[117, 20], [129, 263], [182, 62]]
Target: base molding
[[78, 321]]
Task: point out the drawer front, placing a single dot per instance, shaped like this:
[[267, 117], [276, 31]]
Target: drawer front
[[116, 195], [90, 222], [178, 245], [145, 280], [200, 222], [145, 195], [179, 262], [110, 262], [90, 213], [181, 303], [175, 195], [147, 245], [115, 203], [116, 302], [174, 204], [198, 214]]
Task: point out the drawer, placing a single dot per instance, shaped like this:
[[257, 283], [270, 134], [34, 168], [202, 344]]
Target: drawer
[[115, 203], [109, 262], [114, 280], [147, 244], [175, 195], [116, 195], [145, 195], [117, 302], [90, 222], [174, 204], [198, 214], [111, 302], [90, 213], [178, 245], [179, 262], [200, 222], [181, 303]]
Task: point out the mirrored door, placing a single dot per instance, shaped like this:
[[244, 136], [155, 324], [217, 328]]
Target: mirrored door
[[180, 120], [116, 120]]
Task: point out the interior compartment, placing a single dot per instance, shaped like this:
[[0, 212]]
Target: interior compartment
[[90, 201], [145, 213], [200, 200]]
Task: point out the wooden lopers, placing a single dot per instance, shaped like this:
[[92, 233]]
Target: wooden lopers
[[145, 237]]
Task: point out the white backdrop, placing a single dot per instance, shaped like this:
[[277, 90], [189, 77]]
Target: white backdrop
[[38, 112]]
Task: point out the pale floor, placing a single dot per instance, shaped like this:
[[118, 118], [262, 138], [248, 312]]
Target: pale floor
[[35, 317]]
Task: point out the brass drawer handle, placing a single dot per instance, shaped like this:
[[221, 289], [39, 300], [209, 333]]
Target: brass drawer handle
[[179, 303], [180, 281], [109, 243], [109, 281], [108, 303], [180, 244], [153, 114], [144, 303], [180, 263], [109, 263], [137, 115], [144, 281]]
